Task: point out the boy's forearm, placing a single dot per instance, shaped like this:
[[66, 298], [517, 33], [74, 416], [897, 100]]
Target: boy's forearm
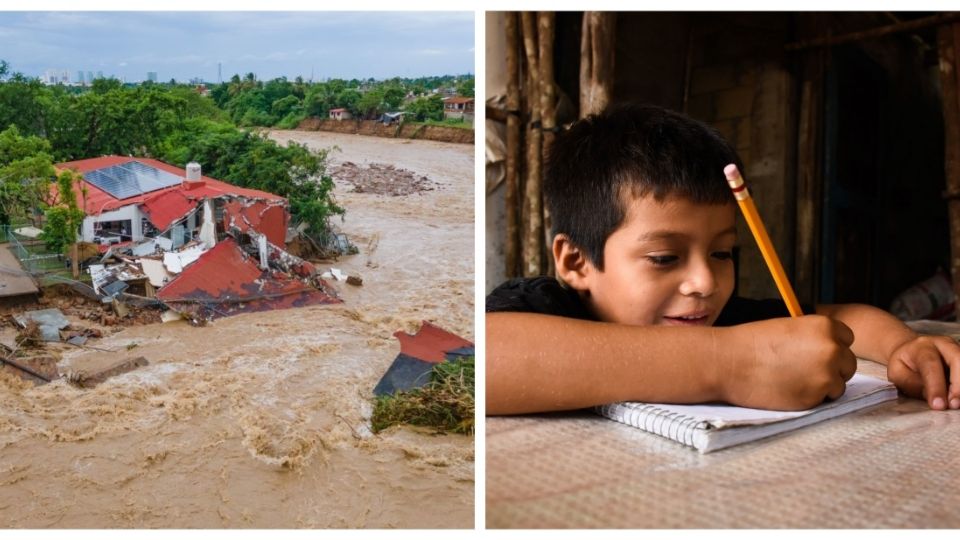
[[543, 363], [877, 333]]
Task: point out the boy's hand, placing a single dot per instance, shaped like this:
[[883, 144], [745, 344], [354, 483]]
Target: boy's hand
[[924, 367], [788, 364]]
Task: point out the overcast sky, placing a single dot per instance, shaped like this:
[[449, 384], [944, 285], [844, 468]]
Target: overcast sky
[[184, 45]]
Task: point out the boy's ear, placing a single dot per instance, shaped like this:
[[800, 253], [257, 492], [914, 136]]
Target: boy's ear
[[573, 267]]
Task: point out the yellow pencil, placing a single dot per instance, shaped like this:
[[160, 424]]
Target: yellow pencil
[[763, 239]]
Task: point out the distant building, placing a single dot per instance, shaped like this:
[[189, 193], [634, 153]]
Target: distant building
[[152, 76], [340, 114], [89, 77], [80, 77], [458, 107], [56, 76]]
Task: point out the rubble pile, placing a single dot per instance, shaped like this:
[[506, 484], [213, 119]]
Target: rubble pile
[[381, 179], [74, 304]]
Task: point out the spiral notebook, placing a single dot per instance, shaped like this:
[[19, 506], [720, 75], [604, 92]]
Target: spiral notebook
[[714, 427]]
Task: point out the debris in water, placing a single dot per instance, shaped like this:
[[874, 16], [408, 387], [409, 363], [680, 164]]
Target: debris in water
[[419, 353], [89, 380], [50, 321], [381, 179]]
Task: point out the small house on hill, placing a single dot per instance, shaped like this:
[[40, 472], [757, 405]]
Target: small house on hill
[[340, 114], [458, 107]]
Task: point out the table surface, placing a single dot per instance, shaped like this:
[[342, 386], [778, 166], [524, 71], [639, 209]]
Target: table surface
[[895, 465]]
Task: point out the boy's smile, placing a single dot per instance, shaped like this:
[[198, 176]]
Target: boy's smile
[[669, 263]]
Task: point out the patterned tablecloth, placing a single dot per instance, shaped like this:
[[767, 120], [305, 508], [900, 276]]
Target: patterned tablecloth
[[896, 465]]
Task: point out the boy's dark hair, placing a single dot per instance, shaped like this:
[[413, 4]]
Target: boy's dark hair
[[626, 152]]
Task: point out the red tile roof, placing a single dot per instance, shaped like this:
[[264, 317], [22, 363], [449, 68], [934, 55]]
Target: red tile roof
[[98, 201], [225, 281], [430, 343], [271, 220], [168, 207], [458, 100]]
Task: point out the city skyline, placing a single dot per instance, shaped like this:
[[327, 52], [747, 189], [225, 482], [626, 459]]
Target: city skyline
[[203, 45]]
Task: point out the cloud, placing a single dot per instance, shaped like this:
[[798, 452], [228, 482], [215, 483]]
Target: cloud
[[270, 44]]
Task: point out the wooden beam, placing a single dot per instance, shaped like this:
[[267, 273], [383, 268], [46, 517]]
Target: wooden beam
[[511, 195], [596, 61], [548, 115], [533, 231], [947, 36], [829, 41]]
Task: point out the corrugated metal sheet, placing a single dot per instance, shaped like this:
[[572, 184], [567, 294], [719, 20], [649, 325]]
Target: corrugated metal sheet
[[268, 219], [225, 281]]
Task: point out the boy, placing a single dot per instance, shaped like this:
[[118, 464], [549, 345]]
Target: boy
[[642, 307]]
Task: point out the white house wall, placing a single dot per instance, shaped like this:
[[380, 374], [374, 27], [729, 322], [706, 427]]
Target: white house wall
[[131, 212]]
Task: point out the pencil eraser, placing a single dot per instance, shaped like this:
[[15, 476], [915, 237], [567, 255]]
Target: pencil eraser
[[731, 172]]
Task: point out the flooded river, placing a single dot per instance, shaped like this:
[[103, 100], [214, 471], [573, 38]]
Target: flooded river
[[260, 420]]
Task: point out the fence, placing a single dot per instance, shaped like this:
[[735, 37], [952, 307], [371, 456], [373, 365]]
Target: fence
[[45, 266]]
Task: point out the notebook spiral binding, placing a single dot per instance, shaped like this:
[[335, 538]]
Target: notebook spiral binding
[[650, 418]]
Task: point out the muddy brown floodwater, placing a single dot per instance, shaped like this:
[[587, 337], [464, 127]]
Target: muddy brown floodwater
[[261, 420]]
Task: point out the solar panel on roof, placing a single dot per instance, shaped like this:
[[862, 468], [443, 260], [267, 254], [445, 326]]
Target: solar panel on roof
[[131, 179]]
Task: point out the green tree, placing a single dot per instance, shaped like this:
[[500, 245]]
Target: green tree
[[349, 99], [63, 220], [104, 85], [465, 87], [393, 96], [426, 108], [371, 104], [25, 172], [254, 161], [24, 103], [285, 106]]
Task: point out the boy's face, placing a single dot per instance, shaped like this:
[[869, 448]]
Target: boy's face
[[669, 263]]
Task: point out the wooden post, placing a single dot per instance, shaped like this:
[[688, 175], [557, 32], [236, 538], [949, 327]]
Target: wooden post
[[596, 61], [533, 232], [946, 42], [511, 184], [74, 263], [548, 113]]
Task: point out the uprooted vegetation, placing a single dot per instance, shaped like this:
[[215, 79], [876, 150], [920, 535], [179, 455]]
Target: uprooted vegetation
[[445, 403]]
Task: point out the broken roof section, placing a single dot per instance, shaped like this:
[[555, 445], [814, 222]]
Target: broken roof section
[[168, 207], [259, 216], [419, 353], [225, 281]]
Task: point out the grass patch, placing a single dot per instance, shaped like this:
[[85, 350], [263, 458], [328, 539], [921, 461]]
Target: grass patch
[[445, 403], [450, 122]]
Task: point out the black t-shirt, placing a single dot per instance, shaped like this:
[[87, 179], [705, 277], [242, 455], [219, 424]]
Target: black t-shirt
[[545, 295]]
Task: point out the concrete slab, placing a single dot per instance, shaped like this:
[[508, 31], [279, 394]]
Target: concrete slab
[[14, 281], [51, 321]]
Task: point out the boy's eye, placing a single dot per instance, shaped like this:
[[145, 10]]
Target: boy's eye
[[663, 260], [722, 255]]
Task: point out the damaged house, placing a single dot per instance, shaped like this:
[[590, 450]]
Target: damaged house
[[202, 247]]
